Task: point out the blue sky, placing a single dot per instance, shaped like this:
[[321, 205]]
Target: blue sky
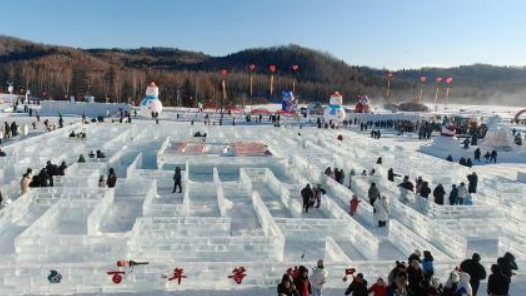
[[379, 33]]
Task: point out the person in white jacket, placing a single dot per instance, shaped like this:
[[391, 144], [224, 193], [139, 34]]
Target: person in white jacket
[[318, 278], [462, 193], [382, 211]]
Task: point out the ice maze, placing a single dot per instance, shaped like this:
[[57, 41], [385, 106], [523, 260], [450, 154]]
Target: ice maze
[[240, 207]]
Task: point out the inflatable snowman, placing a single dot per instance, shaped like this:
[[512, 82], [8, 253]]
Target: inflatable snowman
[[151, 103], [334, 112], [363, 105], [288, 102]]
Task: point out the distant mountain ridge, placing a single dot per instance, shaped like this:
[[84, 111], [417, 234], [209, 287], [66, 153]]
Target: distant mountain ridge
[[118, 73]]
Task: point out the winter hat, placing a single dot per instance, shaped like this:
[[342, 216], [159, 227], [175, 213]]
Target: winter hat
[[320, 264]]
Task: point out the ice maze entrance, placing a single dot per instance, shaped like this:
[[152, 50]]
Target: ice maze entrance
[[240, 207]]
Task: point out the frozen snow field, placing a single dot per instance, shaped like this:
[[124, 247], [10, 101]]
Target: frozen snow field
[[240, 207]]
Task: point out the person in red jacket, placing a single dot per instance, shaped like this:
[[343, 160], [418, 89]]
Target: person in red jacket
[[379, 288], [354, 204], [302, 282]]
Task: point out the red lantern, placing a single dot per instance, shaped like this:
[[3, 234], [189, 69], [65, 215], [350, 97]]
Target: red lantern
[[449, 80], [439, 79], [423, 79], [295, 68], [272, 68], [224, 72], [252, 67]]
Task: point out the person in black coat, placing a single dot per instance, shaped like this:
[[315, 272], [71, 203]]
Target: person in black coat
[[358, 287], [391, 175], [438, 194], [14, 129], [477, 154], [111, 181], [62, 169], [507, 265], [476, 271], [43, 178], [473, 180], [425, 191], [498, 283], [453, 195], [177, 180], [307, 195], [493, 156]]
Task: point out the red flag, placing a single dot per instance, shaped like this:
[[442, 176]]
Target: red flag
[[252, 67], [449, 80], [295, 68]]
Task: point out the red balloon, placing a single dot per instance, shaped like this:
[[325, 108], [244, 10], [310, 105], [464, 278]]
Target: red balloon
[[295, 68], [449, 80], [224, 72], [439, 79], [252, 67], [272, 68], [423, 79]]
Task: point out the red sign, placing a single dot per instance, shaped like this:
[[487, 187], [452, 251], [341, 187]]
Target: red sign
[[423, 79], [272, 68], [116, 276], [295, 68], [178, 275], [439, 79], [449, 80], [252, 67], [224, 72], [238, 274]]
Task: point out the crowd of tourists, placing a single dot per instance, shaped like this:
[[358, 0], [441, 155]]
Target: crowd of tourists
[[417, 277]]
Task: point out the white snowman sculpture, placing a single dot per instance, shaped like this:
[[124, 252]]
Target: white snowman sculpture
[[334, 112], [151, 103]]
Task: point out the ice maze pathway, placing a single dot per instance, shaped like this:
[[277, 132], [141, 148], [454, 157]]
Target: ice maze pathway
[[240, 207]]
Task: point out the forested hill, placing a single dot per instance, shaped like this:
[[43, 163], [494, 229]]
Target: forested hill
[[121, 73]]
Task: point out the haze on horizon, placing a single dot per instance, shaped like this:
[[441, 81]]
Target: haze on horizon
[[381, 33]]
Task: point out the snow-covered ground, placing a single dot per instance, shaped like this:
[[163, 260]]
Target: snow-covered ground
[[240, 207]]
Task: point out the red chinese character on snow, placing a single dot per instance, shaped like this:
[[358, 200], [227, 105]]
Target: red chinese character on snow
[[116, 276], [178, 275], [293, 271], [238, 274]]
